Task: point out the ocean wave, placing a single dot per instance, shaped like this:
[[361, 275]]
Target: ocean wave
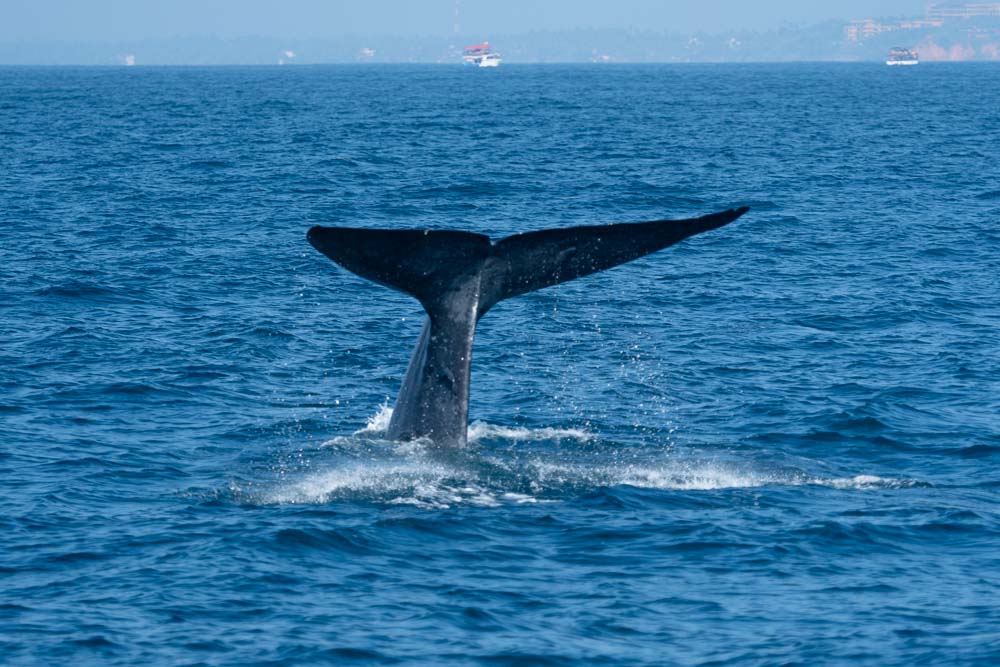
[[87, 291]]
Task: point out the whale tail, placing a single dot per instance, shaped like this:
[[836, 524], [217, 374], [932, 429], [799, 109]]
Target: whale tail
[[458, 276], [434, 265]]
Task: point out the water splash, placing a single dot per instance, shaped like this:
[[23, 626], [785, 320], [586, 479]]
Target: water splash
[[378, 422], [392, 482], [517, 465], [480, 431], [869, 482]]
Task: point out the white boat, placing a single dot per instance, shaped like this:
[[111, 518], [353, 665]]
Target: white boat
[[490, 60], [900, 56], [480, 55]]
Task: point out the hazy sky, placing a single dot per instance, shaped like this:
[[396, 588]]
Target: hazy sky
[[99, 20]]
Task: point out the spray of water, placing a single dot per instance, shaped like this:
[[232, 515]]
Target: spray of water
[[516, 465]]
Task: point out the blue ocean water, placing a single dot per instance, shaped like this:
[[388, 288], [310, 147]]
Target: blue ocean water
[[776, 443]]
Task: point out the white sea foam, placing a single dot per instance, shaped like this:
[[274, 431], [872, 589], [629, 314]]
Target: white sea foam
[[667, 475], [392, 485], [423, 482], [375, 426], [482, 431], [701, 476], [367, 478], [548, 466], [429, 484], [378, 422], [863, 482], [479, 430]]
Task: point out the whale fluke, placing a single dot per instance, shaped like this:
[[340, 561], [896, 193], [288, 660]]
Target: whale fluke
[[422, 263], [459, 276], [533, 260]]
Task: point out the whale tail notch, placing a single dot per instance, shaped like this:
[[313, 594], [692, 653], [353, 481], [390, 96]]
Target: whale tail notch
[[431, 265]]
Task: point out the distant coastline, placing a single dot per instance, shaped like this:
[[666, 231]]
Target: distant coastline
[[437, 65], [953, 33]]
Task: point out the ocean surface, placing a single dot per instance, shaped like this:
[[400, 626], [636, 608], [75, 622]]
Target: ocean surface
[[775, 443]]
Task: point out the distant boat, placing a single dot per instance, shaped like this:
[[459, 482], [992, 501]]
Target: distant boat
[[480, 55], [900, 56]]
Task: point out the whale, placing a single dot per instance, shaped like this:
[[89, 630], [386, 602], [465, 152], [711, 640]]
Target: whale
[[457, 276]]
